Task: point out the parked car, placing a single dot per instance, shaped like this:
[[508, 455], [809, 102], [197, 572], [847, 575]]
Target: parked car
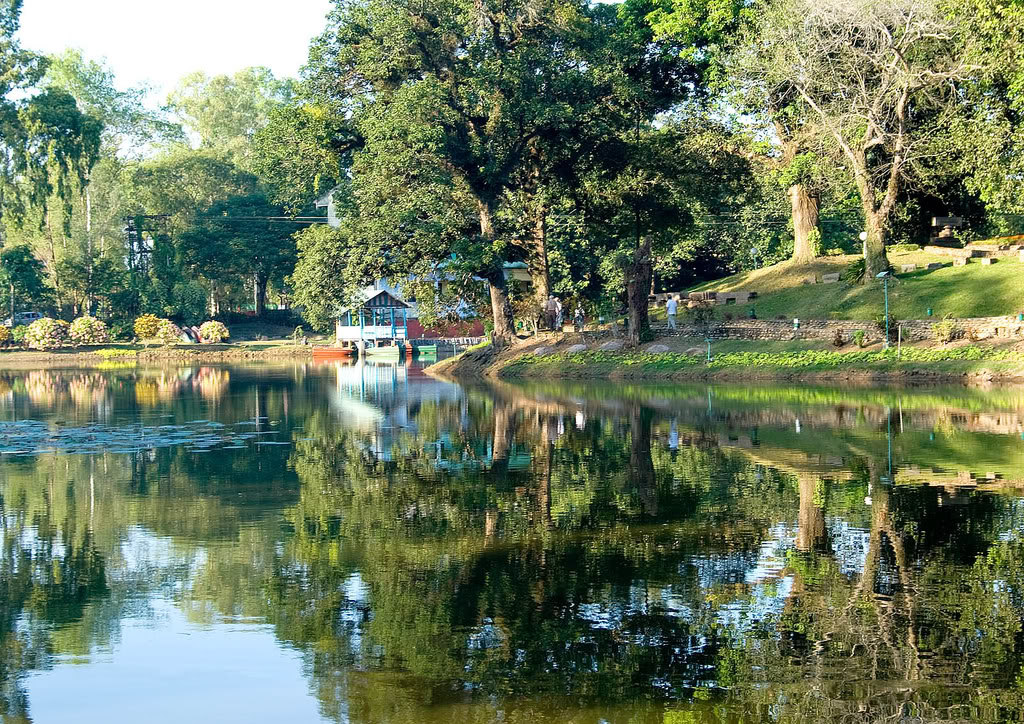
[[21, 318]]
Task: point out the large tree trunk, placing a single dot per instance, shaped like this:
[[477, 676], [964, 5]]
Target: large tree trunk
[[876, 223], [537, 261], [875, 259], [501, 309], [260, 282], [805, 222], [638, 285]]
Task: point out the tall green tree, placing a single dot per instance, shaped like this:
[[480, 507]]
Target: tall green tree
[[225, 112], [880, 79], [22, 278], [466, 90]]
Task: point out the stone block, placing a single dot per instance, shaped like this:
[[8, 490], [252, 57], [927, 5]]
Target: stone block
[[907, 268], [577, 348], [987, 261], [612, 345], [543, 351], [960, 261], [829, 278], [657, 349], [808, 280], [936, 265]]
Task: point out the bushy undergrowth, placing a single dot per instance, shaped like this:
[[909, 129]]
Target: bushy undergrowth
[[213, 332], [168, 332], [46, 333], [146, 326], [88, 330], [796, 359]]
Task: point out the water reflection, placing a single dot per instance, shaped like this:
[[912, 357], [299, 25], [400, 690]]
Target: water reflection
[[437, 552]]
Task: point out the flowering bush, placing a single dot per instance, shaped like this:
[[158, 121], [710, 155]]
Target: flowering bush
[[146, 326], [168, 332], [5, 334], [213, 332], [46, 333], [18, 333], [89, 330]]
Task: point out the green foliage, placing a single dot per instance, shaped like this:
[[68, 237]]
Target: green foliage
[[888, 326], [46, 334], [146, 326], [320, 276], [904, 248], [213, 332], [18, 333], [116, 353], [859, 338], [945, 331], [88, 330], [854, 273]]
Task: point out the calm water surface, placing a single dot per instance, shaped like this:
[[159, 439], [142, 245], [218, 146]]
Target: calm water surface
[[365, 544]]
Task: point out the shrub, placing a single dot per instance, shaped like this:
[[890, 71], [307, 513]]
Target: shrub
[[89, 330], [944, 331], [46, 333], [213, 332], [168, 332], [18, 333], [858, 338], [701, 314], [146, 326], [903, 248], [854, 273], [5, 334], [893, 326]]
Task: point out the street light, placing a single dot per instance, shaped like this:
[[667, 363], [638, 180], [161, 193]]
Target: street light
[[884, 276]]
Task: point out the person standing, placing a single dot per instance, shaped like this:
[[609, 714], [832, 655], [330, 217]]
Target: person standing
[[550, 311], [559, 314], [579, 318], [671, 307]]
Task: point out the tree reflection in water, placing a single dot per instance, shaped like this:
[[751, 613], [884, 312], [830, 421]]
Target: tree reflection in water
[[562, 554]]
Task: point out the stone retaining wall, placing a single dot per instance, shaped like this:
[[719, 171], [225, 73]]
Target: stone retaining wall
[[913, 329]]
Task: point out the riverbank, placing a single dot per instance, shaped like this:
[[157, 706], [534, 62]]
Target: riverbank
[[680, 358], [179, 353]]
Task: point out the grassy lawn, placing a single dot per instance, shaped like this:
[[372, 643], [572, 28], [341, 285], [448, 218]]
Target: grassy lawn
[[969, 291]]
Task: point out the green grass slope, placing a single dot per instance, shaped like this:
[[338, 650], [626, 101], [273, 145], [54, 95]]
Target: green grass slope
[[968, 291]]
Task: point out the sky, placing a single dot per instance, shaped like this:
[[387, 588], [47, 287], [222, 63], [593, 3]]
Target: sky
[[159, 41]]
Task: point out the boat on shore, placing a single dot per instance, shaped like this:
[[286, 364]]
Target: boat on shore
[[327, 354]]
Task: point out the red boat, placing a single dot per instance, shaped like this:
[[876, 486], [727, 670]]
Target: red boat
[[327, 354]]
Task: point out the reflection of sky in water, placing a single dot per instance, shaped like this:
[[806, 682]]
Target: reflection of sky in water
[[849, 544], [167, 669]]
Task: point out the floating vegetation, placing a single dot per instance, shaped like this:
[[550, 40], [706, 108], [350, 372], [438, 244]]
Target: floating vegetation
[[31, 437]]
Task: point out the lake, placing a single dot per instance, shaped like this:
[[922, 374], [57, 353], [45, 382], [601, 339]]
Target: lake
[[363, 543]]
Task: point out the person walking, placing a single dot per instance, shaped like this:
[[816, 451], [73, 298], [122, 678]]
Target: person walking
[[551, 311], [671, 307], [559, 314], [579, 318]]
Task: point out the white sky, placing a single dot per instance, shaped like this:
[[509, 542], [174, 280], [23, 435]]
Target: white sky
[[158, 41]]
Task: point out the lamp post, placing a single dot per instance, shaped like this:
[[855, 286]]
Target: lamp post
[[884, 276]]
